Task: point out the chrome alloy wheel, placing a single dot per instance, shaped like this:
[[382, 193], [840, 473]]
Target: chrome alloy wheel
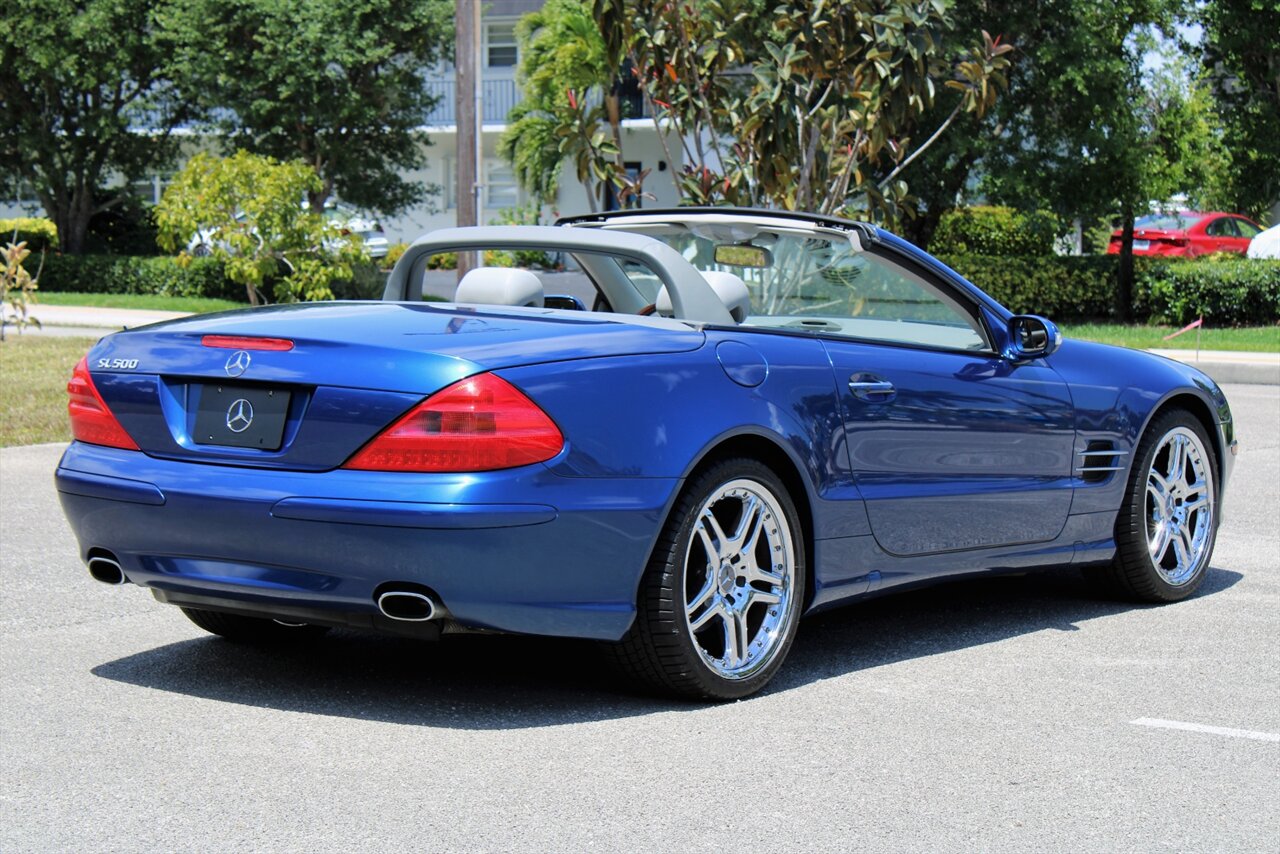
[[1180, 507], [740, 570]]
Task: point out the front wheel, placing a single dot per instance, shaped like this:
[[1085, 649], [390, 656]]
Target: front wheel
[[1168, 523], [721, 598]]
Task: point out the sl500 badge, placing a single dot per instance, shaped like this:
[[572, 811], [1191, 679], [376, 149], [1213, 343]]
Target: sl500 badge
[[117, 364]]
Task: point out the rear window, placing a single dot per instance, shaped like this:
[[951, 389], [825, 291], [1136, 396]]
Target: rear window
[[1168, 222]]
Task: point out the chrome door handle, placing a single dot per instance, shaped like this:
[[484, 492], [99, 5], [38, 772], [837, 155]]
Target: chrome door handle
[[872, 388]]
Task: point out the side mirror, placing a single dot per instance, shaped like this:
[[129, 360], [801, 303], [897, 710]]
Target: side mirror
[[1032, 337], [567, 302]]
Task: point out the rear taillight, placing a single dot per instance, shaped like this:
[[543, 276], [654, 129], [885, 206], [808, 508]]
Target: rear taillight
[[91, 420], [478, 424]]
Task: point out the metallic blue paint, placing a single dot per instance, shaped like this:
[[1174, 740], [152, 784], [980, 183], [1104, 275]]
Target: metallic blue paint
[[969, 466]]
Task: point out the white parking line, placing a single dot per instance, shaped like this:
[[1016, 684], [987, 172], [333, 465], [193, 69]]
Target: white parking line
[[1212, 730]]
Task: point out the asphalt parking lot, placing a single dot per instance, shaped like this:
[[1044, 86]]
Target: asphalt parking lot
[[999, 714]]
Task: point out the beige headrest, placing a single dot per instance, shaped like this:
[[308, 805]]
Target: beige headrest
[[499, 286]]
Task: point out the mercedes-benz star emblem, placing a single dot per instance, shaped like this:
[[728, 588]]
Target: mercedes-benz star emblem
[[239, 416], [237, 363]]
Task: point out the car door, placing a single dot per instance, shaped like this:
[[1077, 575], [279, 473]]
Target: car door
[[1223, 236], [1245, 232], [953, 447]]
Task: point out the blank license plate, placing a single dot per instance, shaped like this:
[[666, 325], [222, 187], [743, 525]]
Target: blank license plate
[[1139, 245], [241, 416]]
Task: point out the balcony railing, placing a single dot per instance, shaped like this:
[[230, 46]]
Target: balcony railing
[[497, 99]]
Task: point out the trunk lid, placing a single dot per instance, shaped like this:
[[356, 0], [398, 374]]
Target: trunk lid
[[352, 370]]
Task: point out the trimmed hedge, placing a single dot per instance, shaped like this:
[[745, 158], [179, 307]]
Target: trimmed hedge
[[1230, 293], [1234, 292], [1050, 285], [987, 230], [198, 277], [132, 274], [38, 232]]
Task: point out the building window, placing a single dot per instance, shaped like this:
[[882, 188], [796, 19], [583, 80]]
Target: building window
[[500, 189], [500, 45], [449, 185]]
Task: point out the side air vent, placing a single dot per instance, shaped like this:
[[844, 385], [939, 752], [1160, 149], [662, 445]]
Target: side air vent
[[1096, 462]]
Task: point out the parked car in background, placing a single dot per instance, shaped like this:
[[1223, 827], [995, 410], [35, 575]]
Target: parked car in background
[[1188, 233], [350, 221], [1266, 244], [347, 220]]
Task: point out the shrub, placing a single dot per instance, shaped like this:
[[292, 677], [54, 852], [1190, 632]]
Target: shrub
[[1235, 291], [1059, 287], [249, 207], [492, 258], [366, 282], [394, 251], [38, 233], [127, 274], [17, 288], [1231, 292], [985, 230], [443, 261]]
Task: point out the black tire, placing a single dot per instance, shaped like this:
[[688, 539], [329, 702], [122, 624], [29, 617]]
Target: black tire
[[252, 630], [1135, 574], [662, 650]]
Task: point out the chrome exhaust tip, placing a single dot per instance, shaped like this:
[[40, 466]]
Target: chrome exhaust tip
[[106, 570], [408, 606]]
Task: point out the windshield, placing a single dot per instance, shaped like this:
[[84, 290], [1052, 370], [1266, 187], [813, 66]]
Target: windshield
[[818, 281]]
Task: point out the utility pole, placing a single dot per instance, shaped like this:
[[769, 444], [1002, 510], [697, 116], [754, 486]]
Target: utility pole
[[467, 114]]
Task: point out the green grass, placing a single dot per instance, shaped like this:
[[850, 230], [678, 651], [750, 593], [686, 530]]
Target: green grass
[[195, 305], [34, 370], [1247, 338]]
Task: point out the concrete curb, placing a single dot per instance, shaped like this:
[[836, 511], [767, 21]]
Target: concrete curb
[[1230, 367]]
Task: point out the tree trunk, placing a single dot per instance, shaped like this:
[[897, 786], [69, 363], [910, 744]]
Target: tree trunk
[[71, 214], [1124, 294]]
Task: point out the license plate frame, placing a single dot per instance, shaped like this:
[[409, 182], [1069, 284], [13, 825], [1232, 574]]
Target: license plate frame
[[236, 415]]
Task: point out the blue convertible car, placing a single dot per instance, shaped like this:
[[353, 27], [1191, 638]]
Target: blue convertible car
[[761, 415]]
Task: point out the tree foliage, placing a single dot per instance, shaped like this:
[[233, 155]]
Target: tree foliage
[[85, 95], [569, 107], [1242, 54], [799, 107], [1086, 131], [1088, 118], [337, 84], [250, 212]]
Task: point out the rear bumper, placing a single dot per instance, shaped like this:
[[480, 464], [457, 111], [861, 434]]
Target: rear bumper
[[522, 550]]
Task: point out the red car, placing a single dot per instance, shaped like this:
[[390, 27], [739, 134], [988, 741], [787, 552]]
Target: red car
[[1188, 233]]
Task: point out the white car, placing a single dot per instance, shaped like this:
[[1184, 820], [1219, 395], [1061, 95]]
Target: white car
[[348, 221], [1266, 244]]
